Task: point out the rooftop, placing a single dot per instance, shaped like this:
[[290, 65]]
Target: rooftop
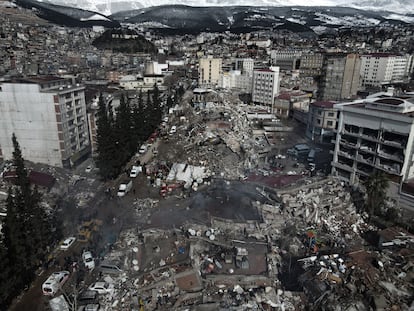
[[36, 79], [323, 104]]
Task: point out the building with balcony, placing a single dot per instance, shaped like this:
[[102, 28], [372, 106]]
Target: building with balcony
[[376, 134], [286, 59], [48, 116], [322, 122]]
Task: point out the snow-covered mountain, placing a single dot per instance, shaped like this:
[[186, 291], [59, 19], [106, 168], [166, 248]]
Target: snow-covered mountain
[[178, 19], [108, 7]]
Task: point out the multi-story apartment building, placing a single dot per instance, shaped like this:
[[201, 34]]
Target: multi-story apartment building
[[145, 83], [265, 86], [311, 64], [340, 77], [209, 71], [383, 68], [322, 121], [234, 79], [245, 65], [286, 59], [155, 68], [48, 116], [376, 134]]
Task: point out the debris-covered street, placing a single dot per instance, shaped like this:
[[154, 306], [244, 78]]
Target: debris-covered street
[[220, 217]]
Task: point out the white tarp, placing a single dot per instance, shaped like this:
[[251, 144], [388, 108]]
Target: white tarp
[[186, 173]]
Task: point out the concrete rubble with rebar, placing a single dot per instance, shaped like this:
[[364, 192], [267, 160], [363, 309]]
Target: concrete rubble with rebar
[[238, 234], [309, 248]]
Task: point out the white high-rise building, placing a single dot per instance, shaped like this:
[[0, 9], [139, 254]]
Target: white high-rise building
[[48, 117], [245, 65], [382, 68], [209, 71], [234, 79], [265, 86]]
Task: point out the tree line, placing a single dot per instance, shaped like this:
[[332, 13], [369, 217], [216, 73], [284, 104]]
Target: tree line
[[27, 233], [121, 132]]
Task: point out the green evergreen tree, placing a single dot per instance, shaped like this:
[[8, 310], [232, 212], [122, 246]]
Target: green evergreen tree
[[123, 126], [105, 140], [170, 102], [8, 279], [138, 121], [26, 228], [148, 122], [156, 107]]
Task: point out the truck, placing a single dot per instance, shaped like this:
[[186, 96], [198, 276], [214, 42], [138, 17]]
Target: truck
[[299, 151], [313, 154], [124, 188], [319, 159]]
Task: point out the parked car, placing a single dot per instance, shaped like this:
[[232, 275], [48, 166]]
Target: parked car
[[88, 260], [90, 307], [173, 129], [102, 287], [54, 282], [110, 267], [67, 243], [88, 169], [135, 170], [124, 188], [143, 149]]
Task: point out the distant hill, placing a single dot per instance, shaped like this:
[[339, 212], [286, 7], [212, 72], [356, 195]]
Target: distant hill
[[188, 19], [124, 41], [67, 16], [110, 7], [181, 19]]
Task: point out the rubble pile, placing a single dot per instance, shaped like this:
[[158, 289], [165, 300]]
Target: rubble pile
[[325, 205], [308, 249], [144, 205], [221, 139], [334, 265]]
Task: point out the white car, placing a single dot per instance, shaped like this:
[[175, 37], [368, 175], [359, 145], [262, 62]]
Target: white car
[[143, 149], [54, 282], [135, 171], [88, 169], [67, 243], [173, 129], [88, 260], [102, 288]]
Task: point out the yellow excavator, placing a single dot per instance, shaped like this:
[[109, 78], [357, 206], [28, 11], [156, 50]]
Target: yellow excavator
[[87, 229]]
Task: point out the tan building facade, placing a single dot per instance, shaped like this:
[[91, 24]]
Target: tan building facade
[[209, 71]]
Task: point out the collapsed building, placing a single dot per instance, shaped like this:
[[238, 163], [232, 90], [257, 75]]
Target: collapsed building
[[309, 247]]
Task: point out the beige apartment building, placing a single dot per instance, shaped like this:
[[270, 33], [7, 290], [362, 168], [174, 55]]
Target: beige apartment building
[[209, 71]]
